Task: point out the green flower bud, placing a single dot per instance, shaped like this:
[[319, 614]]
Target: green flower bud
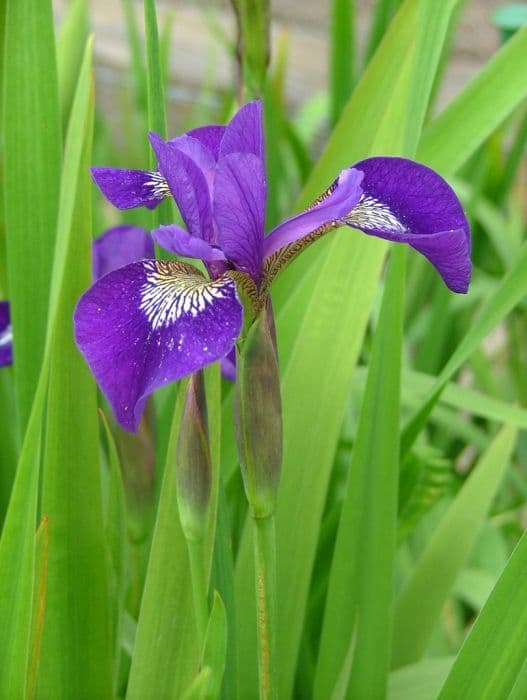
[[193, 461], [258, 416]]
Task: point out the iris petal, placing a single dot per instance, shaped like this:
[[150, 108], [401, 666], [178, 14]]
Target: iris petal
[[407, 202], [244, 133], [180, 242], [6, 335], [126, 189], [239, 210], [119, 246], [150, 323], [188, 185], [210, 137], [337, 201]]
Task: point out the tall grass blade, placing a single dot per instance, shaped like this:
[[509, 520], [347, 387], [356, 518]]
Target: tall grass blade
[[341, 55], [420, 602], [360, 584], [32, 157]]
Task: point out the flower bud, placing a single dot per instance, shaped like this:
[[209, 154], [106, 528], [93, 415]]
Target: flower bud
[[258, 416], [193, 461]]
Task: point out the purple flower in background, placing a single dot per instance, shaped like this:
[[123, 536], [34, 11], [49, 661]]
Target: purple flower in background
[[6, 335], [152, 322]]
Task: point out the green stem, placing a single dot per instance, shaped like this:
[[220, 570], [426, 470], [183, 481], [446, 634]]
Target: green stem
[[265, 570], [199, 588]]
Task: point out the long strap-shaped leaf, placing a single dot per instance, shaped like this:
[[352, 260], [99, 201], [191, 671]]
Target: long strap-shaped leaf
[[492, 656], [360, 584], [421, 600]]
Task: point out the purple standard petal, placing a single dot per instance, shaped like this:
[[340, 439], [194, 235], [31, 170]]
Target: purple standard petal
[[335, 203], [188, 185], [150, 323], [120, 246], [127, 189], [180, 242], [244, 133], [407, 202], [200, 154], [210, 137], [6, 335], [240, 192]]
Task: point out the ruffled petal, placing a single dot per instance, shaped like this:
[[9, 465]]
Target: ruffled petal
[[335, 203], [188, 185], [151, 323], [240, 192], [6, 335], [180, 242], [126, 189], [244, 133], [407, 202], [119, 246], [210, 137]]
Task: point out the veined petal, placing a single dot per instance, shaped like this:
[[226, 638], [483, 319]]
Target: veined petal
[[336, 202], [244, 133], [119, 246], [6, 335], [150, 323], [180, 242], [210, 137], [188, 185], [200, 154], [240, 192], [407, 202], [126, 189]]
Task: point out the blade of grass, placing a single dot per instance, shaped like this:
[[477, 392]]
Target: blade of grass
[[341, 55], [32, 153], [39, 604], [421, 599], [70, 46], [495, 650], [73, 664], [362, 570], [452, 137]]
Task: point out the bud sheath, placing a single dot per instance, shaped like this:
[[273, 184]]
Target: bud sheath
[[258, 416], [193, 462]]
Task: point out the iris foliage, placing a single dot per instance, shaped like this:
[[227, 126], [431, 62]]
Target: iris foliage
[[400, 561]]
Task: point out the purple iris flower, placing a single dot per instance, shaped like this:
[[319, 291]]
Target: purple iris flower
[[153, 322], [6, 335]]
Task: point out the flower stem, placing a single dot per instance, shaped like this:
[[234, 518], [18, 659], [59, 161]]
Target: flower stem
[[199, 588], [265, 570]]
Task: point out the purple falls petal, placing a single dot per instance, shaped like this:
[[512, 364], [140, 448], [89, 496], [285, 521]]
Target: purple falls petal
[[244, 133], [228, 366], [240, 192], [180, 242], [151, 323], [126, 189], [119, 246], [6, 335], [335, 203], [407, 202], [210, 137], [188, 185]]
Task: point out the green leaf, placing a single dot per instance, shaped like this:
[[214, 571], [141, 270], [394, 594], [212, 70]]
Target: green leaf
[[493, 654], [215, 650], [420, 681], [32, 161], [157, 120], [166, 653], [490, 97], [73, 664], [341, 55], [509, 292], [435, 573], [70, 46], [17, 557], [39, 604], [362, 570]]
